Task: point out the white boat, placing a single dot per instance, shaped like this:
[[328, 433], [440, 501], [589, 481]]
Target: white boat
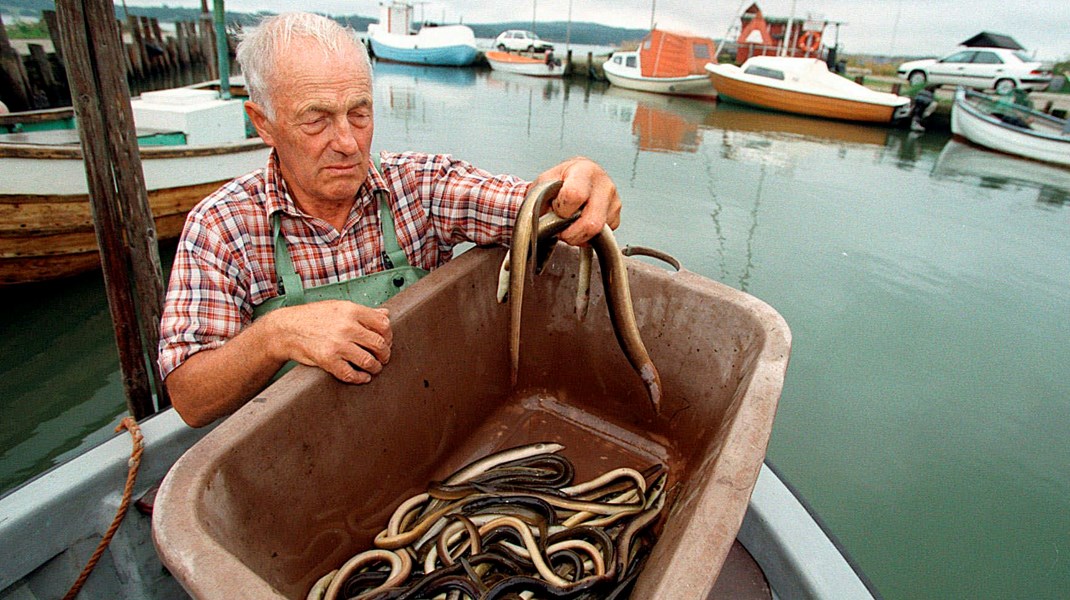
[[191, 142], [665, 63], [804, 86], [1011, 128], [442, 45], [534, 66], [755, 533]]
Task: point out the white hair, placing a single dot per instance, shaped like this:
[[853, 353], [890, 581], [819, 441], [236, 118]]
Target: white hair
[[260, 48]]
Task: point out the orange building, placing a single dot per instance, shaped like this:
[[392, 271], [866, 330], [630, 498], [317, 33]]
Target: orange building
[[760, 35]]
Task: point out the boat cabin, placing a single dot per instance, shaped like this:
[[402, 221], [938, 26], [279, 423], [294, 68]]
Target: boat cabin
[[666, 54]]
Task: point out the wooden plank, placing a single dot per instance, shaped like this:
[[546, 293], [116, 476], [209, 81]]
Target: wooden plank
[[140, 58], [123, 223]]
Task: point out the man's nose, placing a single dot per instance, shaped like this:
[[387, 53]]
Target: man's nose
[[344, 139]]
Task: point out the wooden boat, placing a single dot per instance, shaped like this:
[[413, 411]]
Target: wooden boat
[[217, 520], [535, 66], [46, 227], [665, 63], [1010, 128], [804, 86], [442, 45]]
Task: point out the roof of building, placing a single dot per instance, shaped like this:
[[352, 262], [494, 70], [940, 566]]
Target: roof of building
[[988, 39]]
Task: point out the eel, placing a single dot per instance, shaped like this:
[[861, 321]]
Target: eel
[[533, 240]]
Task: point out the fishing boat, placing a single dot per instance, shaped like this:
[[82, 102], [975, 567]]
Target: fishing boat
[[665, 63], [804, 86], [520, 64], [442, 45], [1001, 125], [257, 507], [190, 143]]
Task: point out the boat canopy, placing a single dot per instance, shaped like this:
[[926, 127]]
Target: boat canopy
[[666, 54]]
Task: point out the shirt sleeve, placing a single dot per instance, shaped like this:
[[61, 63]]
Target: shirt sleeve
[[464, 203], [207, 299]]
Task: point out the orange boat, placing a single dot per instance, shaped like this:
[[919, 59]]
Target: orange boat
[[536, 66], [804, 86]]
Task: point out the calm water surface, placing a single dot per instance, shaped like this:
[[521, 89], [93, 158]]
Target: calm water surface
[[925, 282]]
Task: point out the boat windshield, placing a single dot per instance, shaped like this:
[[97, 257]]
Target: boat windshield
[[764, 72]]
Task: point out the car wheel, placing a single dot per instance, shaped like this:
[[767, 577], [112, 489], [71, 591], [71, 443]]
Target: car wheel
[[531, 48], [917, 78], [501, 47], [1005, 86]]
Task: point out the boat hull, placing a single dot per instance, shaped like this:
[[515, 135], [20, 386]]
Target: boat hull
[[983, 129], [804, 86], [506, 62], [800, 103], [46, 223], [225, 521], [446, 46]]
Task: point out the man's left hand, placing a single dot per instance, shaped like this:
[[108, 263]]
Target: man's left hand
[[584, 184]]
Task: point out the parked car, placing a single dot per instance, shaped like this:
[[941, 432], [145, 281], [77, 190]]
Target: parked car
[[983, 68], [519, 39]]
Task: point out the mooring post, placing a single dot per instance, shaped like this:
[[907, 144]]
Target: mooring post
[[13, 74], [122, 219], [223, 49]]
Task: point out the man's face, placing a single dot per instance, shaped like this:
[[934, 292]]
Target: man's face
[[322, 130]]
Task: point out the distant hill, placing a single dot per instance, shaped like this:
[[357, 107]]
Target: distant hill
[[579, 33]]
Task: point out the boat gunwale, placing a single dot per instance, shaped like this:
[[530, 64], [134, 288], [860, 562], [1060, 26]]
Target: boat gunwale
[[74, 152]]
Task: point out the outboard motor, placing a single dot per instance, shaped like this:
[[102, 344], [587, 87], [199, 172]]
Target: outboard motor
[[924, 105]]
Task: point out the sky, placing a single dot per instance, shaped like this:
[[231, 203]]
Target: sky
[[889, 27]]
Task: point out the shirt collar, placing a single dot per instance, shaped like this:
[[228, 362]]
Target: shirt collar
[[278, 193]]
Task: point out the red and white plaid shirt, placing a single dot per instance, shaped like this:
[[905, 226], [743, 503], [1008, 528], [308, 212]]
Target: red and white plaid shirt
[[225, 263]]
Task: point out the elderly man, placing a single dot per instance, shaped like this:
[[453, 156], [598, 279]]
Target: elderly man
[[322, 222]]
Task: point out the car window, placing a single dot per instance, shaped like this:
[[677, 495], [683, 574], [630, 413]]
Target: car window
[[958, 57], [987, 58]]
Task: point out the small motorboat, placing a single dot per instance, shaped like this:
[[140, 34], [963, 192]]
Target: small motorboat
[[442, 45], [536, 66], [261, 502], [665, 63], [997, 123], [804, 86]]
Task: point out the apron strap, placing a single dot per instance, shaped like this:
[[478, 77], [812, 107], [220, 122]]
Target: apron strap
[[284, 265], [395, 256]]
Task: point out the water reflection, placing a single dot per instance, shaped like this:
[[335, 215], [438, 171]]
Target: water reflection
[[964, 163]]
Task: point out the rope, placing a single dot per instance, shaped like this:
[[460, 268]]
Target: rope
[[130, 424]]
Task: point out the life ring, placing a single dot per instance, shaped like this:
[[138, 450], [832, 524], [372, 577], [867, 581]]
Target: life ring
[[810, 42]]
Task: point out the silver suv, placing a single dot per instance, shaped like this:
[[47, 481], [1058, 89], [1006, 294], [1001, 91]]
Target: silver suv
[[519, 39]]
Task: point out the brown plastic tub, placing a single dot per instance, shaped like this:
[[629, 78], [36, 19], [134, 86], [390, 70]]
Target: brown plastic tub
[[304, 476]]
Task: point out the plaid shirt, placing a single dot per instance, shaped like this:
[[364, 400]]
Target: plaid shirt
[[225, 262]]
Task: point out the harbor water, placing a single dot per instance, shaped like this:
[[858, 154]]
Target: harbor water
[[925, 282]]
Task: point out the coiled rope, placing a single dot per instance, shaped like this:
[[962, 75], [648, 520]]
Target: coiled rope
[[130, 424]]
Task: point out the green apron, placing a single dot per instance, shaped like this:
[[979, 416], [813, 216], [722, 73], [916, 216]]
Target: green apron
[[369, 290]]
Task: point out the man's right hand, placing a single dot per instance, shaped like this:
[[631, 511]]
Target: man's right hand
[[349, 341]]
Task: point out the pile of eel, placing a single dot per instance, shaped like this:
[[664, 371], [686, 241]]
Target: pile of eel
[[534, 239], [511, 525]]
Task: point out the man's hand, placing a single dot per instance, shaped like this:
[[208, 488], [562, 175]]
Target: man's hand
[[348, 340], [584, 184]]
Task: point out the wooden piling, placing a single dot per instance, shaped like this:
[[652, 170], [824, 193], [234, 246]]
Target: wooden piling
[[13, 76], [125, 229]]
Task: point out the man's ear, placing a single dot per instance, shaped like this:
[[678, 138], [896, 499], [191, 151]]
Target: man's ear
[[260, 121]]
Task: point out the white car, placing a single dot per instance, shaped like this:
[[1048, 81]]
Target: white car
[[519, 40], [983, 68]]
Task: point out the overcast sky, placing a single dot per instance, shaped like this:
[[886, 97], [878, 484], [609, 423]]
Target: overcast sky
[[902, 27]]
